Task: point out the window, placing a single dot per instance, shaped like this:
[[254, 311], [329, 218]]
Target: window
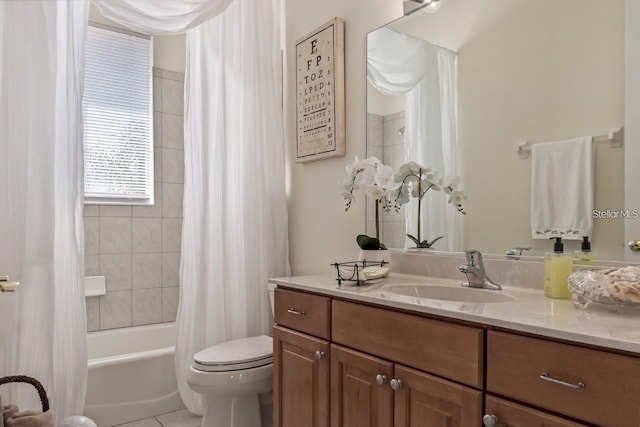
[[118, 118]]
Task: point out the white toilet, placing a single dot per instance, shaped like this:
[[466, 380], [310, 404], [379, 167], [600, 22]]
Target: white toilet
[[231, 376]]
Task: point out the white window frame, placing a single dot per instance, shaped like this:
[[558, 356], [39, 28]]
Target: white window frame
[[122, 199]]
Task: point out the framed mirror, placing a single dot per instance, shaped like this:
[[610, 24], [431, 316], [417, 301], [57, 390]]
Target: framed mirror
[[502, 72]]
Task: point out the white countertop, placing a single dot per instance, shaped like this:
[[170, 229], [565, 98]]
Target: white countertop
[[530, 311]]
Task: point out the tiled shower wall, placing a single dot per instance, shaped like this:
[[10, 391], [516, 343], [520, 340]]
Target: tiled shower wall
[[385, 142], [137, 248]]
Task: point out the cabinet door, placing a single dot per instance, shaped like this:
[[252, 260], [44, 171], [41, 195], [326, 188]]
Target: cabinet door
[[357, 399], [422, 400], [509, 414], [300, 379]]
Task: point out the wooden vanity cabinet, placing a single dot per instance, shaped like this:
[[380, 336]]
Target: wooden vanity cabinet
[[349, 364], [371, 384], [598, 387], [509, 414], [301, 372]]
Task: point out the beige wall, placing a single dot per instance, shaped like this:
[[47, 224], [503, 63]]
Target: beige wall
[[320, 231], [571, 89]]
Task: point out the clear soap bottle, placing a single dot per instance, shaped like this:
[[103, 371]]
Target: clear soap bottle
[[585, 256], [557, 268]]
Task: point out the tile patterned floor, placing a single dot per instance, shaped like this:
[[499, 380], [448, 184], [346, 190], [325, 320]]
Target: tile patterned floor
[[182, 418]]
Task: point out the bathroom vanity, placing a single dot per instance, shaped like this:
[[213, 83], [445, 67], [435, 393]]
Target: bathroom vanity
[[348, 356]]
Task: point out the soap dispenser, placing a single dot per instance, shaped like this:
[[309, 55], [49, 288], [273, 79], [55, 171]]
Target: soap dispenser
[[557, 268], [585, 256]]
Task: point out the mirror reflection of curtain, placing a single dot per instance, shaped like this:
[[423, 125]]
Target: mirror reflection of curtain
[[398, 64]]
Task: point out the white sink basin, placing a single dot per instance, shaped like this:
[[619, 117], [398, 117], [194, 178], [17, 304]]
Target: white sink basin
[[448, 293]]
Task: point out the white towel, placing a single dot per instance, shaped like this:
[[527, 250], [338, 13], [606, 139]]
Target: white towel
[[562, 188]]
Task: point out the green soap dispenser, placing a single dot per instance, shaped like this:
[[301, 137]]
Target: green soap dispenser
[[557, 268], [585, 256]]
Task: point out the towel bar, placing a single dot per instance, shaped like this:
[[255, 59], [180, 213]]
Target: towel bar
[[615, 138]]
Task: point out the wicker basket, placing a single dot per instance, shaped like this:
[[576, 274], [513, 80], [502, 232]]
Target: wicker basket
[[24, 379]]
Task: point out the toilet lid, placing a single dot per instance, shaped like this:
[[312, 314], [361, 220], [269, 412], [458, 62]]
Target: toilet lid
[[233, 355]]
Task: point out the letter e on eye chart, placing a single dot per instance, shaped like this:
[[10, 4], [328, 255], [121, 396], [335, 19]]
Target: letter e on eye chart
[[320, 110]]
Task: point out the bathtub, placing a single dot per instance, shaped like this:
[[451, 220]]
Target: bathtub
[[131, 374]]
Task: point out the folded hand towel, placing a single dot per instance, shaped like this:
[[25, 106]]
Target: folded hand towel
[[562, 187]]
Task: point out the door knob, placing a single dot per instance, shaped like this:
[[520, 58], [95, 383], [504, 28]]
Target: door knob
[[634, 245], [319, 355], [490, 421], [6, 285], [381, 379], [395, 384]]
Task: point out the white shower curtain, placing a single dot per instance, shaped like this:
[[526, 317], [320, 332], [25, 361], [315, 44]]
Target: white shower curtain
[[42, 325], [399, 64], [235, 210]]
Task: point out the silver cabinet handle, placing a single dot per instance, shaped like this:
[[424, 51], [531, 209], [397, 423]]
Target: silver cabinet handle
[[296, 312], [634, 245], [319, 355], [381, 379], [395, 384], [546, 377], [490, 421]]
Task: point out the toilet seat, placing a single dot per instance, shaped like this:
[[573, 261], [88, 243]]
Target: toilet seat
[[245, 353]]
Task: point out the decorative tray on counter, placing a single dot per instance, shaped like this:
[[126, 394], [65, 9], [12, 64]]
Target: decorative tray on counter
[[360, 271], [610, 286]]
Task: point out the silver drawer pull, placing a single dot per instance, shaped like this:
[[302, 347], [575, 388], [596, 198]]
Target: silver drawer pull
[[296, 312], [381, 379], [546, 377], [490, 420], [319, 355]]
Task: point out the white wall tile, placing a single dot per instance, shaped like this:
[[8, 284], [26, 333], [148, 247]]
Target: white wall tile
[[147, 271], [172, 196], [172, 131], [172, 97], [115, 310], [110, 210], [170, 303], [154, 211], [91, 235], [147, 306], [387, 133], [115, 235], [92, 265], [157, 94], [93, 314], [171, 234], [172, 165], [157, 129], [172, 75], [146, 235], [91, 210], [170, 269], [116, 270]]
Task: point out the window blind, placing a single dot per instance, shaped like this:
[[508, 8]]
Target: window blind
[[118, 118]]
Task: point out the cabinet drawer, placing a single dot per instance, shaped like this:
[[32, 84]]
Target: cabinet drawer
[[511, 414], [449, 350], [303, 312], [611, 392]]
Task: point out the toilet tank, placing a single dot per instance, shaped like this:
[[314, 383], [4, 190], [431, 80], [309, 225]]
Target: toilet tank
[[271, 289]]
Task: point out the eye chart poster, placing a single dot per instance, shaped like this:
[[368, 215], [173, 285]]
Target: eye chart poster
[[320, 110]]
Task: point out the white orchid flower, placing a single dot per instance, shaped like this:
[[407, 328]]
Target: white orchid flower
[[369, 162], [368, 178], [384, 177], [352, 169], [457, 197], [375, 192]]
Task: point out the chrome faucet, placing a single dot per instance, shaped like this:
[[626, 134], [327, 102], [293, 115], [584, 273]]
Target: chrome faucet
[[474, 270]]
